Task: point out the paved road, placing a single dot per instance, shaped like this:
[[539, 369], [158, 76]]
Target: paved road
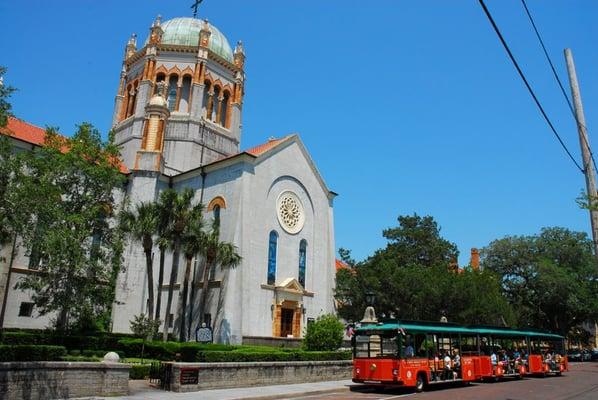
[[581, 382]]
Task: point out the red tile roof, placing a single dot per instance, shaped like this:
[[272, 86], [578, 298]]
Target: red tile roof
[[29, 133], [24, 131], [264, 147], [341, 265]]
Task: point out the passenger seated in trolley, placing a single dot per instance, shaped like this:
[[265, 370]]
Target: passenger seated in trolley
[[448, 372], [456, 363], [493, 359]]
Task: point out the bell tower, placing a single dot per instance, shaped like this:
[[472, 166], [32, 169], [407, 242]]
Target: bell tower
[[180, 97]]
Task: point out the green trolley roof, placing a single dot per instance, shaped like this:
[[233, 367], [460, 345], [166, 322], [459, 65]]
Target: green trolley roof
[[440, 327]]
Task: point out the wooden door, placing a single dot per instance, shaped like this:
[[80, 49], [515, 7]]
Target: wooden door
[[286, 322]]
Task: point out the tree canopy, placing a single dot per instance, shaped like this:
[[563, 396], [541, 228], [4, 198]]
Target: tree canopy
[[549, 278], [411, 280], [63, 209]]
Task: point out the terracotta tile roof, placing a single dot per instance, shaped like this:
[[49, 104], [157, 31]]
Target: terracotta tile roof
[[341, 265], [29, 133], [264, 147], [24, 131]]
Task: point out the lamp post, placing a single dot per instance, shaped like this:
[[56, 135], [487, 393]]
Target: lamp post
[[370, 298], [369, 316]]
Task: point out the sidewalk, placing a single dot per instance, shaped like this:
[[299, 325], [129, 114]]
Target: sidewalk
[[140, 390]]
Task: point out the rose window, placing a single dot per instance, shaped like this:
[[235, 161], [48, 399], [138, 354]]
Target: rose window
[[290, 212]]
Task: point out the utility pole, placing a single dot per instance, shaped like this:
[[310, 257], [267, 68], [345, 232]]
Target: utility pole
[[588, 166]]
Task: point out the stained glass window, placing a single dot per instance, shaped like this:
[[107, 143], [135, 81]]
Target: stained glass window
[[272, 257], [302, 254]]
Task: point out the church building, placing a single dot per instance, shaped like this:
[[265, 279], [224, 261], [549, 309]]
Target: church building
[[177, 119]]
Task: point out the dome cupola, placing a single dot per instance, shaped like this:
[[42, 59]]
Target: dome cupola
[[185, 32]]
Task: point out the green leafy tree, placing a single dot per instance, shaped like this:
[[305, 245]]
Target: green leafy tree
[[5, 93], [324, 334], [164, 210], [417, 241], [411, 280], [549, 278], [9, 164], [192, 240], [141, 224], [144, 327], [182, 212], [216, 253], [64, 208]]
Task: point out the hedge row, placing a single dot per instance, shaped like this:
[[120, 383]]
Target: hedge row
[[139, 371], [31, 353], [246, 356], [77, 342]]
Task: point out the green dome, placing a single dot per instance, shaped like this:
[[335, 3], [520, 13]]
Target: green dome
[[185, 31]]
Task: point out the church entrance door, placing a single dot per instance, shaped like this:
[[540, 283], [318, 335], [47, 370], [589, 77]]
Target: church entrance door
[[286, 322]]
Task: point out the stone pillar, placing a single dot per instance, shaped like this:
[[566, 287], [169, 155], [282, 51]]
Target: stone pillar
[[197, 91], [118, 105], [143, 94], [276, 320], [235, 121], [297, 322]]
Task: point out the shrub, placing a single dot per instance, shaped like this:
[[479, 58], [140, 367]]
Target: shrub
[[31, 353], [139, 371], [249, 356], [324, 334]]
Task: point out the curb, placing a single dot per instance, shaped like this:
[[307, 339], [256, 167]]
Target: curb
[[296, 394]]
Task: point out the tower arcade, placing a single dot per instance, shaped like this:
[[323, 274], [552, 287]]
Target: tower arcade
[[197, 117]]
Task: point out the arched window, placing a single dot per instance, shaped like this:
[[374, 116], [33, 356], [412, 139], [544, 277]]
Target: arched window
[[217, 106], [216, 211], [302, 257], [185, 94], [172, 86], [206, 98], [272, 244], [224, 109]]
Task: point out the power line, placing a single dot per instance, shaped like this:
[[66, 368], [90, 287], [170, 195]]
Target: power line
[[529, 88], [556, 76]]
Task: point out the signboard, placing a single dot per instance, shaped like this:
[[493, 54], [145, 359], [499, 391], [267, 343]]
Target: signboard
[[189, 376], [204, 335]]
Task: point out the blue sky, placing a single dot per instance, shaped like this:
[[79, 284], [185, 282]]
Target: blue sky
[[405, 106]]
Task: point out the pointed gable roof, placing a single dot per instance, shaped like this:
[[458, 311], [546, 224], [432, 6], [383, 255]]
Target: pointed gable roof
[[263, 151]]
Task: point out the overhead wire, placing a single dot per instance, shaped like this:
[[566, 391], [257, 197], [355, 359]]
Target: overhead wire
[[556, 76], [529, 88]]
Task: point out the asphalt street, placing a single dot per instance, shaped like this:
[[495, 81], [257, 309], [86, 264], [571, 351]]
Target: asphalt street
[[581, 382]]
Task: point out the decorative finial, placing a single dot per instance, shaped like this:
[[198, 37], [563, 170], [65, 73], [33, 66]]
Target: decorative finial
[[158, 21], [239, 48], [195, 6], [133, 39]]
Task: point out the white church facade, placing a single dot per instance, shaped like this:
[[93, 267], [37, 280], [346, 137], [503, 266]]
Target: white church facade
[[177, 120]]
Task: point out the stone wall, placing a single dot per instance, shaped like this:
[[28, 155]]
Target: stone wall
[[61, 380], [229, 375], [272, 341]]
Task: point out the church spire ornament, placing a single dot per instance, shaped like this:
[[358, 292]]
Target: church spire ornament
[[195, 6]]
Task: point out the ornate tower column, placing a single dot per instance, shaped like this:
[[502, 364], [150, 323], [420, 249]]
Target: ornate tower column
[[199, 76], [145, 87], [149, 158], [130, 49], [237, 100]]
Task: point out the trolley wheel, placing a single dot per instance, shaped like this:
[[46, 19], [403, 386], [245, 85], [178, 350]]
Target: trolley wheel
[[420, 383]]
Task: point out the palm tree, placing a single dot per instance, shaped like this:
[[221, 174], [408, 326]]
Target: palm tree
[[192, 240], [164, 206], [215, 253], [141, 224], [182, 212]]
